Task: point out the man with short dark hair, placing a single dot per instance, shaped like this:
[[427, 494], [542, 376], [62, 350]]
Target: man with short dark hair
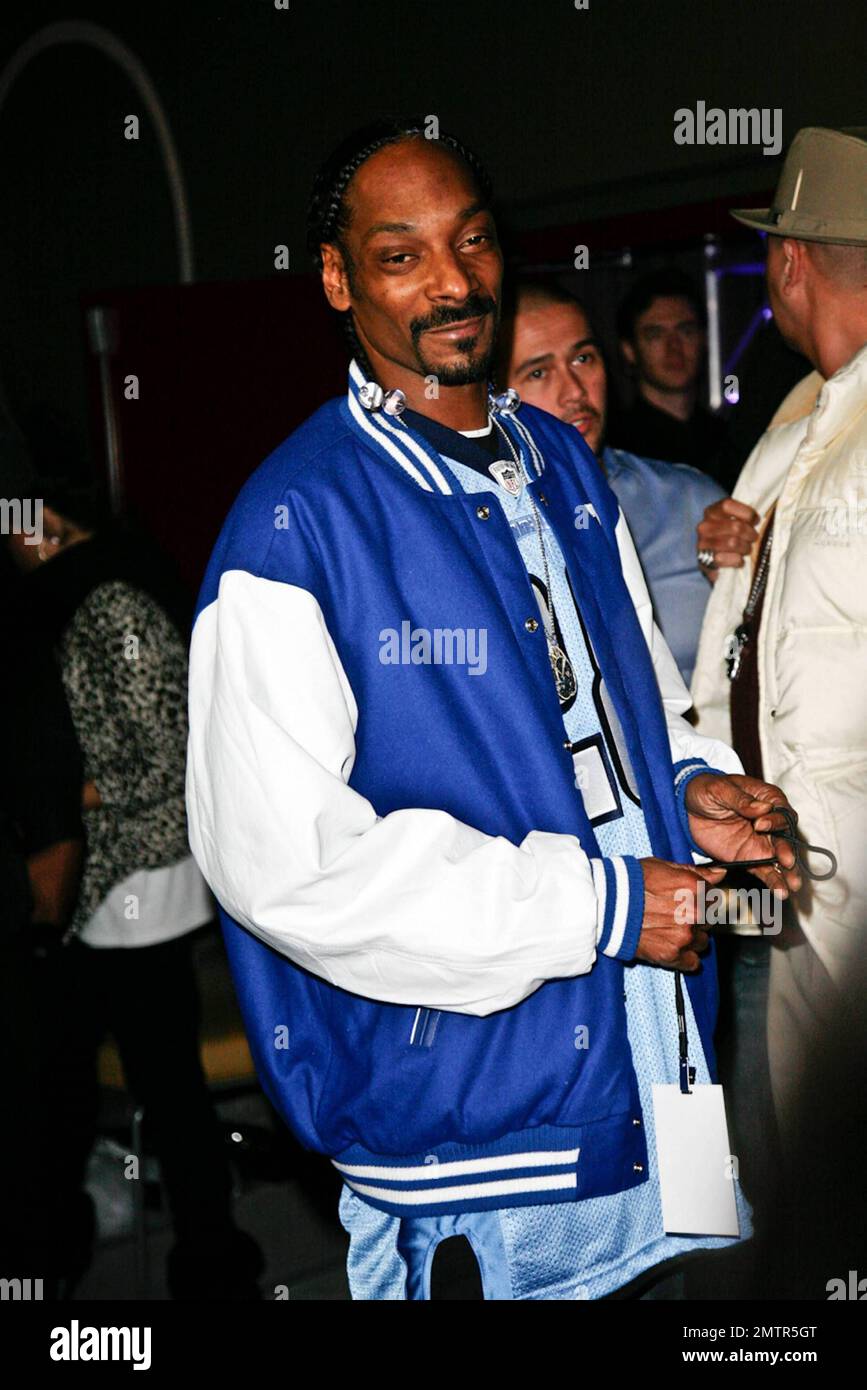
[[662, 330], [554, 360], [441, 785]]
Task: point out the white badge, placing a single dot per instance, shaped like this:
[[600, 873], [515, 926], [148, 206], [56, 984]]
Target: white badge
[[508, 476], [591, 779], [695, 1162]]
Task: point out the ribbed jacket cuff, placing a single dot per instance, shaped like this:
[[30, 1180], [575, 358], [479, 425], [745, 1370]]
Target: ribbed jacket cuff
[[619, 883], [684, 772]]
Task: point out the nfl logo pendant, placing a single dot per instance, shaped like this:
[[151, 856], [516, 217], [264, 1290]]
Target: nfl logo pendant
[[508, 476]]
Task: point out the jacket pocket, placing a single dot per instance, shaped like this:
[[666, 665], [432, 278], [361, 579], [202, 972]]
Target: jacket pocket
[[424, 1027]]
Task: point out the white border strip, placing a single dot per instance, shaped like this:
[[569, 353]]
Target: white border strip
[[403, 433], [428, 1196], [600, 883], [360, 416], [381, 426], [691, 767], [548, 1158], [538, 461], [621, 906]]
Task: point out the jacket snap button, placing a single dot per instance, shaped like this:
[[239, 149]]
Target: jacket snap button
[[637, 1122], [773, 713], [531, 624], [638, 1167], [543, 499], [483, 513]]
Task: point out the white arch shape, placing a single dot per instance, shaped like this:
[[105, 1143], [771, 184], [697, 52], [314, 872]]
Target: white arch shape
[[93, 35]]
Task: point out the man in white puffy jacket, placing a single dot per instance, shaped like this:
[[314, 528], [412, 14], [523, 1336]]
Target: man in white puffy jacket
[[795, 707]]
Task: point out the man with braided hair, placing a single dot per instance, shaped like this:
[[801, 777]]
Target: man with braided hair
[[446, 884]]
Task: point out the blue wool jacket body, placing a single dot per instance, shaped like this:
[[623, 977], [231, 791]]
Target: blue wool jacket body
[[429, 1110]]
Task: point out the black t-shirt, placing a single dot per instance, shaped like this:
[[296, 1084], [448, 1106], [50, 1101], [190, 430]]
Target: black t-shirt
[[478, 452], [702, 440]]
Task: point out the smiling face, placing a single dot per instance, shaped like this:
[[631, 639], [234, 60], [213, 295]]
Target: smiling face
[[669, 344], [556, 364], [420, 268]]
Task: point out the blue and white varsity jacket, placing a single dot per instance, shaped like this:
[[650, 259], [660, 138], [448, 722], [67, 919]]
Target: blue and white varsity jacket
[[415, 907]]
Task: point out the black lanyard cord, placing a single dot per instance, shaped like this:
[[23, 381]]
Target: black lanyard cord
[[800, 847], [687, 1073]]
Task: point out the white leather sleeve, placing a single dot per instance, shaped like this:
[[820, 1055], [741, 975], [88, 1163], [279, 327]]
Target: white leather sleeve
[[414, 907], [684, 741]]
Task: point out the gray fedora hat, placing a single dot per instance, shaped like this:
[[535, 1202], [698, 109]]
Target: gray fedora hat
[[822, 192]]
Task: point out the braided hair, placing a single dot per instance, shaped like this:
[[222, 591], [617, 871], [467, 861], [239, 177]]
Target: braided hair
[[328, 212]]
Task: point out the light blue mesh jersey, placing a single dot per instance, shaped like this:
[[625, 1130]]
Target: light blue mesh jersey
[[584, 1249]]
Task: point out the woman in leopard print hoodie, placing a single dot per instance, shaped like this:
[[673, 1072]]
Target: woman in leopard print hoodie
[[102, 600]]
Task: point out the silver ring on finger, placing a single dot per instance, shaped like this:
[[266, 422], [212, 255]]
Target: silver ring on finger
[[706, 559]]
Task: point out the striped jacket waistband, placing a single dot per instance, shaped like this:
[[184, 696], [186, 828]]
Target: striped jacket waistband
[[534, 1167]]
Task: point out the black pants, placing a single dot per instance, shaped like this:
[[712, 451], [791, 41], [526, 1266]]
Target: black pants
[[146, 997], [50, 1105]]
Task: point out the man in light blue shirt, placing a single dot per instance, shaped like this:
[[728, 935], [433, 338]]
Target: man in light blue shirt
[[555, 363]]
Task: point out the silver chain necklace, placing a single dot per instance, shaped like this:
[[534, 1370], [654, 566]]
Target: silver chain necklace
[[561, 666]]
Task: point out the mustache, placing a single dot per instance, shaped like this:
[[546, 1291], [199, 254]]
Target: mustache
[[474, 307]]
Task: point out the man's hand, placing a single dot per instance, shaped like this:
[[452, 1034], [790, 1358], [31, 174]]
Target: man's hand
[[727, 815], [670, 934], [729, 529]]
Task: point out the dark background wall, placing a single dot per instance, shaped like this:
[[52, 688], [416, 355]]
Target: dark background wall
[[572, 110]]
